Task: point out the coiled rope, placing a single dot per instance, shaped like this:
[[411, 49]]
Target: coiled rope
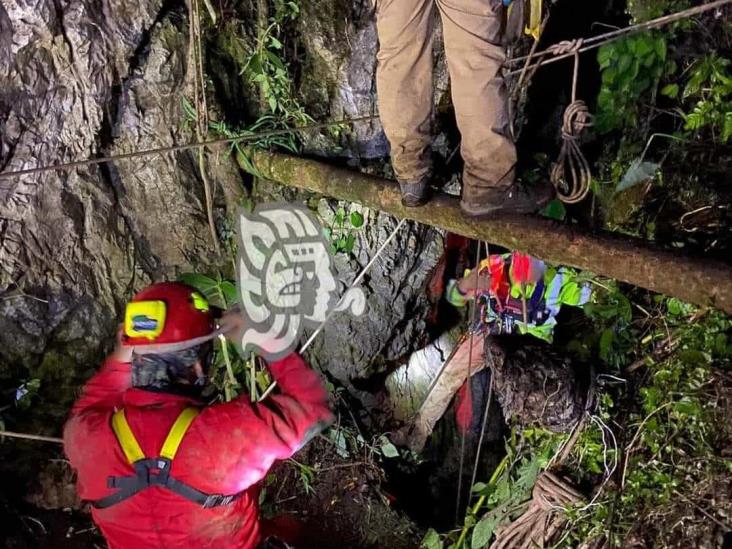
[[571, 174], [544, 516], [587, 44]]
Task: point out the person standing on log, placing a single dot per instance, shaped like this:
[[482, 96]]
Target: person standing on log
[[472, 35], [161, 468]]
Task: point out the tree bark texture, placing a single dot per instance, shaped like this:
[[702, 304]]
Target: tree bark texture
[[694, 279]]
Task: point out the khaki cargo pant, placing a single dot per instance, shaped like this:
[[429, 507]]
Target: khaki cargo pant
[[404, 83]]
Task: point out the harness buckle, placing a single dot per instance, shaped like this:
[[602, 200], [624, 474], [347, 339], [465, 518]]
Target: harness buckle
[[214, 500]]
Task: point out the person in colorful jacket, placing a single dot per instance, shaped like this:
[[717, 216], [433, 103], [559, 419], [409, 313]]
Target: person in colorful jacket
[[519, 294], [516, 294], [161, 468]]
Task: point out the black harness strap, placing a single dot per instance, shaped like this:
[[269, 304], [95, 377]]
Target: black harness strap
[[156, 472]]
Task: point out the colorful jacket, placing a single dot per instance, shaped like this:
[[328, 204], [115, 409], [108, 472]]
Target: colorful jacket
[[228, 448], [524, 297]]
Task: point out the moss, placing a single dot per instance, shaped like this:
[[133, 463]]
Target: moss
[[323, 25], [228, 49]]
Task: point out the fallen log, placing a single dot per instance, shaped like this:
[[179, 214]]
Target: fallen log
[[693, 279]]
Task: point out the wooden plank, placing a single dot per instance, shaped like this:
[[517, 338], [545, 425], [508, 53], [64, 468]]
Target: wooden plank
[[693, 279]]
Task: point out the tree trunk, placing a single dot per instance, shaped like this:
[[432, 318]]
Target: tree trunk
[[693, 279]]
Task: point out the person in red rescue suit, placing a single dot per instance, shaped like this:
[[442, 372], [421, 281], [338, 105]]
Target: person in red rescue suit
[[160, 468]]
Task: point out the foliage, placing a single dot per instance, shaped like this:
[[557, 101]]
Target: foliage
[[610, 335], [267, 132], [306, 474], [341, 232], [218, 292], [501, 498], [350, 442], [709, 89], [674, 429], [645, 10], [631, 69], [266, 67], [230, 373]]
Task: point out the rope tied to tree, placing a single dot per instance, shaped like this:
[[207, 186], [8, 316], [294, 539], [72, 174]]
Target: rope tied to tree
[[571, 174]]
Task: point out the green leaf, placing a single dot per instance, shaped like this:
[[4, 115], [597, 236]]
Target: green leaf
[[350, 242], [660, 47], [605, 55], [670, 90], [207, 286], [642, 46], [276, 61], [431, 540], [606, 342], [624, 63], [272, 103], [609, 76], [387, 448], [231, 294], [727, 126], [356, 220], [687, 408], [483, 531], [554, 210]]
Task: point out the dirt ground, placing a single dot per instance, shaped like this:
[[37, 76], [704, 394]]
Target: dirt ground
[[346, 504]]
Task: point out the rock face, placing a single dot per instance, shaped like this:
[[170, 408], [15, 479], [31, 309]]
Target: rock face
[[358, 352], [339, 76], [84, 79]]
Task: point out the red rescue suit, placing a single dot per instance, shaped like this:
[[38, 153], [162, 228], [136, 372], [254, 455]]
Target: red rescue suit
[[227, 449]]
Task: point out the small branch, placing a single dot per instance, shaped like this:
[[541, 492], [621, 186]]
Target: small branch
[[629, 448], [703, 512], [231, 378], [27, 436]]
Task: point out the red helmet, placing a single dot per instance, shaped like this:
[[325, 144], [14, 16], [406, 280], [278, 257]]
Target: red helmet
[[169, 315]]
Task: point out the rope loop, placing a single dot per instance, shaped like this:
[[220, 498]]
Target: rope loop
[[566, 46], [571, 174]]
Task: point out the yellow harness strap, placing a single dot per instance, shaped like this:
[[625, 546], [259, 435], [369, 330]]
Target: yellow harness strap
[[126, 439], [129, 443], [177, 432]]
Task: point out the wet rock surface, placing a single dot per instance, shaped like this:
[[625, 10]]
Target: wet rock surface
[[84, 80], [359, 352], [339, 76]]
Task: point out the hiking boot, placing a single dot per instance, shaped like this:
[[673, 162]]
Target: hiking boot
[[516, 199], [415, 193]]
